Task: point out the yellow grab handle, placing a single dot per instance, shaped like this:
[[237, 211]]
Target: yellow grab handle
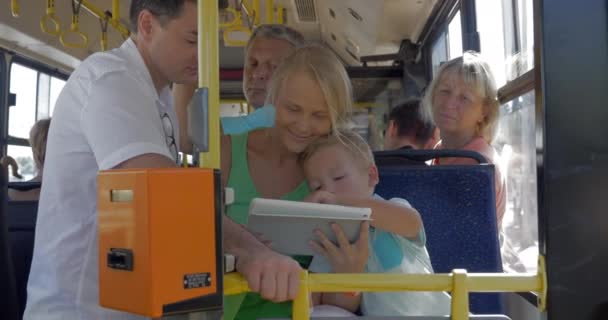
[[230, 42], [15, 8], [236, 20], [49, 23], [75, 30]]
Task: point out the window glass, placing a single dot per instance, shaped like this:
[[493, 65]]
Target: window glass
[[455, 37], [491, 36], [25, 161], [516, 143], [23, 83], [439, 52]]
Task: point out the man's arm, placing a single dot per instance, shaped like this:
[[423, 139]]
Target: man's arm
[[275, 276]]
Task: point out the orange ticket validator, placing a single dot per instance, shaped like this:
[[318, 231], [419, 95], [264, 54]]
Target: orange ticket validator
[[160, 240]]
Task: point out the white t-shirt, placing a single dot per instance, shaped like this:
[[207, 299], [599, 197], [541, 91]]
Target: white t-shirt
[[391, 253], [108, 112]]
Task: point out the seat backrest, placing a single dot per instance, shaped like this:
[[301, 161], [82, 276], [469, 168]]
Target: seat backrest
[[457, 206], [21, 226], [9, 304]]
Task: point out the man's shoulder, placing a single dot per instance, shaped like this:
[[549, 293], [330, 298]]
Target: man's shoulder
[[100, 64]]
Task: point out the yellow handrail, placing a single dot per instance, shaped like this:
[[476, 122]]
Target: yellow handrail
[[75, 29], [49, 17], [459, 283], [116, 11], [209, 77], [114, 22], [15, 8]]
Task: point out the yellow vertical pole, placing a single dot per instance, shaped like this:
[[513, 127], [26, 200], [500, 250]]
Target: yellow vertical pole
[[258, 12], [301, 305], [116, 10], [280, 18], [209, 77], [269, 11], [460, 295]]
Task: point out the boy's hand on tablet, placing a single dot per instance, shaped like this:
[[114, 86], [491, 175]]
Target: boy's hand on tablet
[[345, 257]]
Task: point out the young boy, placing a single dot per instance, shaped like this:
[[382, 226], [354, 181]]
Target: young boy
[[340, 170]]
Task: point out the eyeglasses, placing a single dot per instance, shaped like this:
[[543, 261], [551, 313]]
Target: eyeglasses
[[170, 137]]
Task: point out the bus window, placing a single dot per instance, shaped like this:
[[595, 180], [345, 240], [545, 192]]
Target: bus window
[[439, 52], [449, 44], [506, 36], [25, 160], [37, 94], [22, 116], [516, 143], [455, 37]]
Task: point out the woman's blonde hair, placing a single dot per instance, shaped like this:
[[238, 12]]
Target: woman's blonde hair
[[476, 74], [38, 137], [323, 66], [352, 142]]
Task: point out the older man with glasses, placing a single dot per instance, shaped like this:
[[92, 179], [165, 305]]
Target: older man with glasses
[[268, 45]]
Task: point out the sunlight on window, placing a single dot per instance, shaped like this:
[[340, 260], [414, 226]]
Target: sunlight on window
[[23, 83], [517, 145], [490, 28], [455, 37]]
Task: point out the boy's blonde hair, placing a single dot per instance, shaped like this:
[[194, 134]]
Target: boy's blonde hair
[[323, 66], [351, 141], [476, 74]]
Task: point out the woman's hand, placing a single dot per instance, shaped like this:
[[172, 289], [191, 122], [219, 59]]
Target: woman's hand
[[346, 257]]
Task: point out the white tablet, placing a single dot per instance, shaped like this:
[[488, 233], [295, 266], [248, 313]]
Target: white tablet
[[290, 225]]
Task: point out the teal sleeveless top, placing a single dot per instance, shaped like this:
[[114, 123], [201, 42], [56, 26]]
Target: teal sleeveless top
[[251, 305]]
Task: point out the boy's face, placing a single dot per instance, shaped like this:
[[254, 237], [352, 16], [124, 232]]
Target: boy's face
[[334, 169]]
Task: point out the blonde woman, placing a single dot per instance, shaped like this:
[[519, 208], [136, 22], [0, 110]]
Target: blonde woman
[[312, 95], [38, 136], [462, 102]]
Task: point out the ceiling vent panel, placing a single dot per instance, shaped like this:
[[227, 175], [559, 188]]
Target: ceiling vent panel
[[306, 10]]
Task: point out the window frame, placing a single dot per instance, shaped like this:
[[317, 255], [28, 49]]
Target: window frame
[[8, 59]]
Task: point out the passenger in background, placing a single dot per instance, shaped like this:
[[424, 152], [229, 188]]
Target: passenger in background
[[268, 45], [409, 129], [38, 135], [340, 170], [462, 102]]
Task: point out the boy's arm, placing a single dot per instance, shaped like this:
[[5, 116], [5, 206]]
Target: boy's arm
[[260, 118], [388, 216]]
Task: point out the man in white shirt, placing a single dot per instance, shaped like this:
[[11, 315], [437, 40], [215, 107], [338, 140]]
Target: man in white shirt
[[113, 113]]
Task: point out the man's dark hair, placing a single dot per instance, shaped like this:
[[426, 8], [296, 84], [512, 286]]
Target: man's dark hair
[[165, 10], [408, 118]]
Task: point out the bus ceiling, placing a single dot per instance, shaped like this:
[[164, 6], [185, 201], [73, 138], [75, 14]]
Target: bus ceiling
[[354, 29]]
